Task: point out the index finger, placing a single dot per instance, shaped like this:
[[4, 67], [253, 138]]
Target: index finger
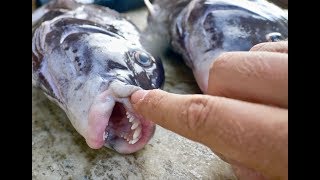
[[250, 133], [281, 47]]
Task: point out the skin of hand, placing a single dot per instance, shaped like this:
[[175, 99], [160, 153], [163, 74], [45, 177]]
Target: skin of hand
[[281, 3], [243, 115]]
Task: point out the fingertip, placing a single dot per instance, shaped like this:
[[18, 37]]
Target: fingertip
[[138, 95]]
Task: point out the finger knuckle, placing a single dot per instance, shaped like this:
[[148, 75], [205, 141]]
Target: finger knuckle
[[196, 113], [258, 67], [253, 66], [222, 61]]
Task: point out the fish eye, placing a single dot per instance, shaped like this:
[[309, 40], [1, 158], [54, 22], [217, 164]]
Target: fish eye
[[143, 59], [274, 37]]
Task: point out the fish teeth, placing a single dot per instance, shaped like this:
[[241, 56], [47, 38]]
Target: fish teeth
[[128, 115], [136, 127], [135, 124], [133, 141], [131, 119], [136, 133], [105, 135]]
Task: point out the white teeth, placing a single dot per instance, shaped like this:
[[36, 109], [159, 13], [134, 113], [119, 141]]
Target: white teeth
[[136, 133], [105, 135], [133, 141], [136, 127], [135, 124], [131, 119], [128, 115]]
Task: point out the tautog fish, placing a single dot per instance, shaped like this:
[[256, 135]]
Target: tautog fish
[[200, 30], [89, 60]]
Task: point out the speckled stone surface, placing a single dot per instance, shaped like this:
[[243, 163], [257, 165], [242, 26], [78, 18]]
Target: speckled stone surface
[[59, 152]]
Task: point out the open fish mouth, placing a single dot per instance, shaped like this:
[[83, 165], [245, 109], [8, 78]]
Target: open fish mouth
[[126, 132], [112, 122]]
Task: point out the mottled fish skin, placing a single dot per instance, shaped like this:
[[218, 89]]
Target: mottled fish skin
[[200, 30], [118, 5], [89, 60]]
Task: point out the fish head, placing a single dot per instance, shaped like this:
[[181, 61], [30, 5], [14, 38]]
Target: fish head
[[204, 29], [160, 16], [91, 71], [120, 70]]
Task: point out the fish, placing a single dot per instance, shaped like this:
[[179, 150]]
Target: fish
[[118, 5], [88, 60], [201, 30]]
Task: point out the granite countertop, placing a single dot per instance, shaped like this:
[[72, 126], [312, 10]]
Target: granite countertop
[[59, 152]]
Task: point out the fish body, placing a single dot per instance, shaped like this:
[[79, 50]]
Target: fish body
[[118, 5], [88, 59], [200, 30]]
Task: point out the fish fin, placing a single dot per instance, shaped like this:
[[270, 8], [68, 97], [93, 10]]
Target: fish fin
[[150, 7]]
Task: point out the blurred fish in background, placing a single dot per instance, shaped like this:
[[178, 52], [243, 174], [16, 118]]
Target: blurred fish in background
[[118, 5], [33, 5]]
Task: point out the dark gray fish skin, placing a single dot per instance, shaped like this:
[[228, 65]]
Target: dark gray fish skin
[[200, 30], [89, 60]]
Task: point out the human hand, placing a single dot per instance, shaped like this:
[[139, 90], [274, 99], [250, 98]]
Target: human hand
[[281, 3], [244, 116]]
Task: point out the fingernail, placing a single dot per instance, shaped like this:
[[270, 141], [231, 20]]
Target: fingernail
[[138, 95]]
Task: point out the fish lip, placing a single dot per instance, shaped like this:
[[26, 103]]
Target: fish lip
[[101, 111]]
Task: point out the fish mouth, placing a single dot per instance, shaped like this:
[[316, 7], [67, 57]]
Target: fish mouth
[[127, 132], [112, 122]]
